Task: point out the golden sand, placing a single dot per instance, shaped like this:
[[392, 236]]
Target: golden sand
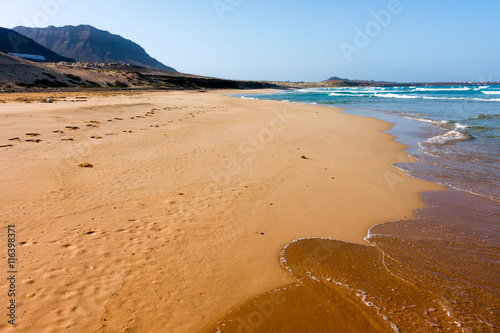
[[189, 200]]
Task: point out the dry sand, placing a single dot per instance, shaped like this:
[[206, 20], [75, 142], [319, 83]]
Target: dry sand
[[186, 208]]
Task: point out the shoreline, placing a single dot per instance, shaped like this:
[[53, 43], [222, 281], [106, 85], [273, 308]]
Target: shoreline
[[456, 223], [151, 184]]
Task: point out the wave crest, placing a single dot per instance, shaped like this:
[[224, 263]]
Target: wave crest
[[449, 137]]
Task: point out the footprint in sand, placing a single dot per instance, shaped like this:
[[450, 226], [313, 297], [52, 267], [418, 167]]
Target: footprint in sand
[[72, 127], [68, 139], [6, 146], [96, 137], [14, 139], [27, 243], [58, 132], [91, 125], [127, 131], [118, 118], [34, 140], [33, 134], [28, 281]]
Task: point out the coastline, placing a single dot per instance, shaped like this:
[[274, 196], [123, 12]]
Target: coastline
[[445, 257], [150, 228]]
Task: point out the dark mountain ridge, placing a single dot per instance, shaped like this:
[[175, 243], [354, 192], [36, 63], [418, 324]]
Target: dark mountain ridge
[[15, 43], [87, 44]]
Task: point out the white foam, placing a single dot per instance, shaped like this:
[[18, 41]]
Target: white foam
[[389, 95], [370, 91], [356, 91], [458, 125], [313, 90], [450, 136], [491, 92], [464, 98], [341, 94], [423, 120], [312, 277], [442, 89]]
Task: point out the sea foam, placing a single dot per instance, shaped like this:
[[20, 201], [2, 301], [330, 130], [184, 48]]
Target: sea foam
[[450, 136]]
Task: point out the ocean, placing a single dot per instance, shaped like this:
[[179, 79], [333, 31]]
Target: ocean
[[438, 271]]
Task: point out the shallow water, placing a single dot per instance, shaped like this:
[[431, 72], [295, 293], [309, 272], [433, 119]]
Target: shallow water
[[437, 272]]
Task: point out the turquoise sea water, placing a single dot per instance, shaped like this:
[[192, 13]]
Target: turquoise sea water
[[454, 131]]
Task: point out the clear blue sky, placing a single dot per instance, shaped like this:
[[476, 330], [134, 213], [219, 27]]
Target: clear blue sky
[[296, 40]]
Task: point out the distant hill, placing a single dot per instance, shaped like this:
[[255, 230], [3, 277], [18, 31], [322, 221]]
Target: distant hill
[[87, 44], [13, 42], [335, 78], [335, 81]]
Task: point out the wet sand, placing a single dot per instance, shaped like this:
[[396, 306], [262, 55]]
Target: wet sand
[[190, 199], [438, 272]]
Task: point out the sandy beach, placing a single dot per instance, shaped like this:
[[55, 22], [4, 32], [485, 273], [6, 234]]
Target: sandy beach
[[185, 205]]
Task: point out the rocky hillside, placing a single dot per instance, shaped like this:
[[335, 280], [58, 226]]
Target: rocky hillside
[[18, 75], [13, 42], [87, 44]]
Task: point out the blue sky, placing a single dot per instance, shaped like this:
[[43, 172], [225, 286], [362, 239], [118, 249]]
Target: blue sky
[[296, 40]]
